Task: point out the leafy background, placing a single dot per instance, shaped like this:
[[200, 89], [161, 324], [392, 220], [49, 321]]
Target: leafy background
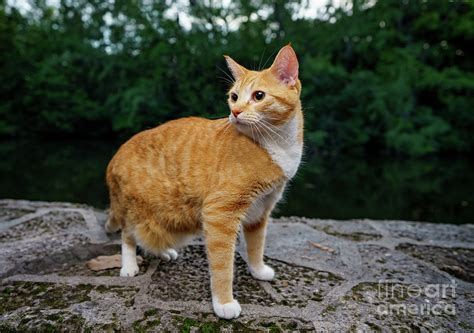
[[378, 76]]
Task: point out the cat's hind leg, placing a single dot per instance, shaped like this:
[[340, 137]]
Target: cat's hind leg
[[115, 219], [168, 254], [113, 224], [156, 240], [129, 255]]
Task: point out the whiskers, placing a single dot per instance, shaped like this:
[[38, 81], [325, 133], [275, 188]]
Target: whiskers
[[251, 131], [227, 78], [263, 132], [262, 136], [271, 129], [271, 56]]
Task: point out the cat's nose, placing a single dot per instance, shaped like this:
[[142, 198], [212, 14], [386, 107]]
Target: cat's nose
[[236, 112]]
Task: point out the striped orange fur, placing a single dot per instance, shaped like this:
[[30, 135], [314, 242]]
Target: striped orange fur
[[195, 175]]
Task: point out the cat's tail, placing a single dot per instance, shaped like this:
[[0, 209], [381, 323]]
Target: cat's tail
[[112, 225]]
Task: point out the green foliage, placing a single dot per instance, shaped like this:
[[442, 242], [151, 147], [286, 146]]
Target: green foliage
[[394, 76]]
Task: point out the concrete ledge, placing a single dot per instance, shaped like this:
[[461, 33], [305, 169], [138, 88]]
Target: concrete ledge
[[357, 275]]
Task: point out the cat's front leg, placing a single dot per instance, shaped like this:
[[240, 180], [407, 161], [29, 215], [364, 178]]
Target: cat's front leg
[[220, 232], [255, 239]]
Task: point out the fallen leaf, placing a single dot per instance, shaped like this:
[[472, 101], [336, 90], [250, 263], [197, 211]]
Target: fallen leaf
[[107, 262]]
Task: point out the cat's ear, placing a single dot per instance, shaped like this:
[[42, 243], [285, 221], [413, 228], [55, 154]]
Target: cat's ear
[[236, 69], [285, 66]]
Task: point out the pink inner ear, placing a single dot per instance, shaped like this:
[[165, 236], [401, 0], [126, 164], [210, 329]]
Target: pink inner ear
[[286, 66]]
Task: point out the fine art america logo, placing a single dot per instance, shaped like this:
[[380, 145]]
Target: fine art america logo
[[413, 299]]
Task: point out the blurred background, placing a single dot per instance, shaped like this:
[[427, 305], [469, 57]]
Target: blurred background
[[387, 94]]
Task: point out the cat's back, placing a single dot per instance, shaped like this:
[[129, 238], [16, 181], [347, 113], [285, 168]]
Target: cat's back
[[189, 150], [149, 144], [181, 147], [173, 135]]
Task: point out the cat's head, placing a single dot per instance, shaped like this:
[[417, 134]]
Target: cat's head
[[269, 97]]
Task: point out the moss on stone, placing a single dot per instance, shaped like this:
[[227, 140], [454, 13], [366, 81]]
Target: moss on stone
[[353, 236], [456, 261], [36, 321], [7, 328], [374, 327], [272, 327], [145, 324], [397, 292], [55, 317], [290, 326], [329, 309], [185, 324], [466, 326], [54, 296], [151, 312], [18, 294], [298, 285]]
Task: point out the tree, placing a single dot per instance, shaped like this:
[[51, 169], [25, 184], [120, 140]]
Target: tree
[[393, 76]]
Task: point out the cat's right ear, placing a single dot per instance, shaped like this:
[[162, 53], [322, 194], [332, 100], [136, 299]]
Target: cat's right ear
[[285, 66], [237, 70]]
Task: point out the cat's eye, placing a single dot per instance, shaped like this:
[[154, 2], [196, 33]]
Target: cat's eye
[[234, 97], [258, 95]]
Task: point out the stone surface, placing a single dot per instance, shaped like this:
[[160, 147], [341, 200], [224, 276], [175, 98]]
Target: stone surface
[[357, 275]]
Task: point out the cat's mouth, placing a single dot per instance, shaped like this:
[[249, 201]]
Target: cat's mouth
[[237, 121], [241, 121]]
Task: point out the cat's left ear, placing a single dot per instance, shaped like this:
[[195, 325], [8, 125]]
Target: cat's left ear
[[285, 66], [237, 70]]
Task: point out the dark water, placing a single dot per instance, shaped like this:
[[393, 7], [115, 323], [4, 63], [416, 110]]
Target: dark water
[[433, 190]]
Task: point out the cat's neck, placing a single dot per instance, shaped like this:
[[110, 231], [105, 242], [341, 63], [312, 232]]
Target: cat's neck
[[286, 134], [284, 143]]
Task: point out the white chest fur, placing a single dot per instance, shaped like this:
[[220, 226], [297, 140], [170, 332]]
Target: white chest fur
[[265, 202], [284, 147]]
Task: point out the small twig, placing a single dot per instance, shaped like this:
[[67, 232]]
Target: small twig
[[322, 247]]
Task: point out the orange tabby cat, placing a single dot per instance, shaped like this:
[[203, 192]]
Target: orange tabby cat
[[192, 174]]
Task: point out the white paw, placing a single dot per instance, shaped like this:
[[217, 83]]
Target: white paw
[[228, 310], [264, 273], [129, 270], [168, 254]]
